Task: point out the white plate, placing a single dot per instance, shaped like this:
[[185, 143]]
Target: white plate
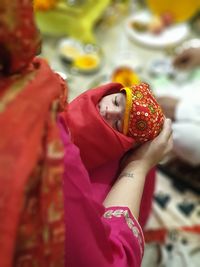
[[75, 46], [170, 36]]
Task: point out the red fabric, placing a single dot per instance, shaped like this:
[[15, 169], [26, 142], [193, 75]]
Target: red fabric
[[97, 141], [31, 169], [159, 235], [19, 38], [146, 202]]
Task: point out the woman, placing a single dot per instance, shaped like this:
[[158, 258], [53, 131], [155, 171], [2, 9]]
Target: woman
[[183, 107]]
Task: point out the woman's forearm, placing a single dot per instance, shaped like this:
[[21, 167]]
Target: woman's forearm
[[127, 190]]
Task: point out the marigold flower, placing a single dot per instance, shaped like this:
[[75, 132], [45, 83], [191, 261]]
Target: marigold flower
[[43, 5]]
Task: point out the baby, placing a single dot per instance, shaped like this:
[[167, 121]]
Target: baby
[[133, 112], [114, 115]]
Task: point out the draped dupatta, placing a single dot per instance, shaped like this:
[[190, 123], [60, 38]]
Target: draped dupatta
[[98, 142], [31, 152]]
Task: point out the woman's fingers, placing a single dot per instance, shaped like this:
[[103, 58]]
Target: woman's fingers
[[166, 132], [166, 137], [150, 153]]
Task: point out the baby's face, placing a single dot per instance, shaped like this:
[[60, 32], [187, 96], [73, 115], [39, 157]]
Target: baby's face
[[112, 108]]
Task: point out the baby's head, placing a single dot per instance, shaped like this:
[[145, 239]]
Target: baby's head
[[134, 112]]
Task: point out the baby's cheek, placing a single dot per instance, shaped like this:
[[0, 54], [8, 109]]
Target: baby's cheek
[[120, 126]]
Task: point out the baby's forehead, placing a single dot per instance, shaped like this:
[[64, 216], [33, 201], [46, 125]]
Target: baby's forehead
[[120, 94]]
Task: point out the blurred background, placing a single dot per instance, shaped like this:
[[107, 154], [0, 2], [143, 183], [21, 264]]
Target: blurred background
[[91, 42]]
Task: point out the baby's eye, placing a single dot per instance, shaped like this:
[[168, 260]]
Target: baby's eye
[[116, 102]]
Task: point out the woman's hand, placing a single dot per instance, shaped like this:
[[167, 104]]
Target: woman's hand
[[152, 152], [188, 59], [128, 188]]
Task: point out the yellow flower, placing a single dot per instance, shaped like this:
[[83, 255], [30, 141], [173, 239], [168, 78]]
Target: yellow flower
[[126, 76], [43, 5]]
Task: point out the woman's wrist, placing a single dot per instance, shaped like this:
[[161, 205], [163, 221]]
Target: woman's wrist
[[128, 188], [135, 167]]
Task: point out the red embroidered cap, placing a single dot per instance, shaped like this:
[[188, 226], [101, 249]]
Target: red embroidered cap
[[143, 119]]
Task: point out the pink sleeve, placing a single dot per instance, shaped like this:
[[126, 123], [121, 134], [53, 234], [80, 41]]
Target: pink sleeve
[[95, 236], [126, 236]]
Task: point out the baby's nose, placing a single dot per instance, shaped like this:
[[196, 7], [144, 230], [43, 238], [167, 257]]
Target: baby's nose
[[114, 114]]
